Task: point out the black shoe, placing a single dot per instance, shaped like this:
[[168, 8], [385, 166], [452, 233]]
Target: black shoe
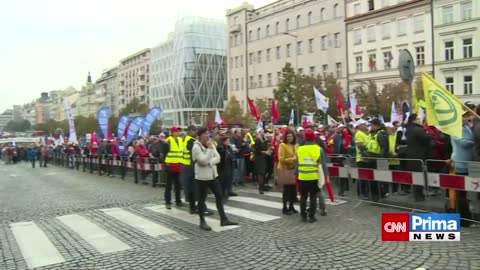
[[232, 194], [304, 218], [168, 206], [193, 211], [204, 226], [260, 190], [179, 203], [227, 222], [208, 213], [312, 220], [292, 209], [285, 211], [323, 213]]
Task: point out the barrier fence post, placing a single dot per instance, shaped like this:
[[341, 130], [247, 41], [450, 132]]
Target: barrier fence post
[[123, 165], [100, 160], [77, 162], [135, 170], [90, 157], [154, 172], [84, 164]]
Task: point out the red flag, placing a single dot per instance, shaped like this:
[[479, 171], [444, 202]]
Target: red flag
[[93, 138], [329, 189], [275, 146], [358, 111], [109, 136], [275, 116], [339, 101], [253, 109], [305, 123], [347, 139]]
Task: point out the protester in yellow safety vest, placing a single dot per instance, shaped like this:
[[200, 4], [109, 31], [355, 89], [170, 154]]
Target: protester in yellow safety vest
[[174, 160], [361, 140], [309, 157], [187, 176], [377, 148]]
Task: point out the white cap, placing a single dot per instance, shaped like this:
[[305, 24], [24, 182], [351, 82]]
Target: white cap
[[360, 122], [341, 126], [389, 125], [321, 126], [284, 126], [299, 129]]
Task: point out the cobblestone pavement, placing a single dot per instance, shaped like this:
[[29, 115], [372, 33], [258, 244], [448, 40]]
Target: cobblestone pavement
[[348, 238]]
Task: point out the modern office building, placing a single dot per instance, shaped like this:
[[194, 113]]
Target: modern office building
[[309, 34], [134, 78], [376, 32], [457, 47], [188, 72]]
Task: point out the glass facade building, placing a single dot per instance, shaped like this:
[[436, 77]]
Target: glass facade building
[[188, 72]]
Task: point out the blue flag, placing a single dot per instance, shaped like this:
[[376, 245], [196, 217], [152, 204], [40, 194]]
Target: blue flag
[[133, 129], [102, 117], [150, 117], [122, 125]]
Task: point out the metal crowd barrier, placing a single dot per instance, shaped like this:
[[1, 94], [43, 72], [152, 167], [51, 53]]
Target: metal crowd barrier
[[425, 185], [114, 165]]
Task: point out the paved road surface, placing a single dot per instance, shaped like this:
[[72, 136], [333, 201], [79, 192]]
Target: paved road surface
[[55, 218]]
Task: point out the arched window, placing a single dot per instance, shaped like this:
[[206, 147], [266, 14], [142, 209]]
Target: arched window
[[309, 18], [298, 21], [250, 35], [267, 30], [258, 33], [322, 14], [277, 27], [335, 11], [287, 25]]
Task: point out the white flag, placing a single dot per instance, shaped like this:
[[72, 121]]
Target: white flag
[[353, 104], [320, 100], [332, 121], [218, 119], [259, 126], [290, 122], [72, 135], [393, 113], [60, 140]]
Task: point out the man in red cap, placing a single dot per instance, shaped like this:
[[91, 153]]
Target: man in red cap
[[309, 157], [173, 159]]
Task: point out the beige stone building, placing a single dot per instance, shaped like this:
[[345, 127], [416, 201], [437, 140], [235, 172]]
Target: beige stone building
[[307, 33], [106, 90], [377, 30], [134, 78], [457, 47]]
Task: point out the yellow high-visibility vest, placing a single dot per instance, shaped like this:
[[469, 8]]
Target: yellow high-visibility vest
[[187, 158], [308, 157], [392, 140], [373, 145], [175, 153], [252, 143]]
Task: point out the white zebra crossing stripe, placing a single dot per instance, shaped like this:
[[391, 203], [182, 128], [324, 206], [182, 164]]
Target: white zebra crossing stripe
[[279, 195], [193, 219], [259, 202], [34, 245], [146, 226], [257, 216], [100, 239]]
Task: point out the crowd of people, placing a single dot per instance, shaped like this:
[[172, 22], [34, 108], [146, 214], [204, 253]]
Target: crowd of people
[[196, 159]]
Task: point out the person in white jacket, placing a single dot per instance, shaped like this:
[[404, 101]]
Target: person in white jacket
[[205, 157]]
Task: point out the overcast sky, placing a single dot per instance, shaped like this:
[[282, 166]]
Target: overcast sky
[[52, 44]]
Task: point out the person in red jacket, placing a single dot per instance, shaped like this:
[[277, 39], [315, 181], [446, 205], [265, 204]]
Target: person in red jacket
[[142, 154]]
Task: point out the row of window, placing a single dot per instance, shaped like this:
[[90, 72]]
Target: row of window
[[238, 83], [467, 49], [386, 29], [387, 60], [465, 12], [298, 23], [467, 84], [257, 57]]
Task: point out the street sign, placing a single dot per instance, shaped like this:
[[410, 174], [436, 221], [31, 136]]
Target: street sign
[[406, 66]]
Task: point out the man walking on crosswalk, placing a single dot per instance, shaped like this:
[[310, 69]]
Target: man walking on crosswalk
[[205, 157]]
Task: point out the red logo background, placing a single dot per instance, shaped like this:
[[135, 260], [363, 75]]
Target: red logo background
[[395, 236]]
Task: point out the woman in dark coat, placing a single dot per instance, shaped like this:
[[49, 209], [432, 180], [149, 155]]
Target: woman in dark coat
[[418, 148], [261, 151]]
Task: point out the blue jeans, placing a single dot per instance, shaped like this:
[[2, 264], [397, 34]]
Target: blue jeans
[[238, 170]]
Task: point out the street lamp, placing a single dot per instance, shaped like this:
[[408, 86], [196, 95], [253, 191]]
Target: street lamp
[[295, 72]]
